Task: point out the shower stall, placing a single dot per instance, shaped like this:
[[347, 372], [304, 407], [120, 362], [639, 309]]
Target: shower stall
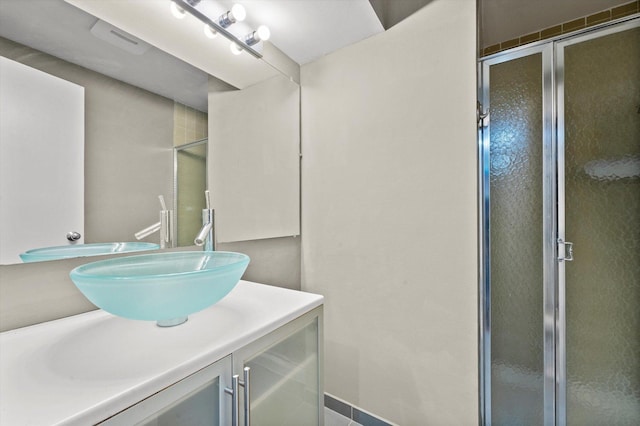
[[559, 153]]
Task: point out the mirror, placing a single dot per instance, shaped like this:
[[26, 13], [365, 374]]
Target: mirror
[[138, 107]]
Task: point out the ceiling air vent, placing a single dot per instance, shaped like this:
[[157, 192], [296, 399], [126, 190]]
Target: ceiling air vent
[[119, 38]]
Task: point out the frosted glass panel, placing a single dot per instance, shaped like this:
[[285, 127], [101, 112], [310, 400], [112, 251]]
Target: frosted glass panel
[[516, 241], [284, 381], [602, 114], [199, 408]]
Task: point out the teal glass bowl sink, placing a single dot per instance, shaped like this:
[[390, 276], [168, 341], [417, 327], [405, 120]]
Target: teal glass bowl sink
[[164, 287], [83, 250]]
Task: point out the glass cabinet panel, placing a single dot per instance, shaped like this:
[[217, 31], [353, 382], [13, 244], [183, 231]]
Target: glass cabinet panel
[[199, 407], [198, 400], [285, 380]]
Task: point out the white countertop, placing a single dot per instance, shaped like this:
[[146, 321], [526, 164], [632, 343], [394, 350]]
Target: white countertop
[[85, 368]]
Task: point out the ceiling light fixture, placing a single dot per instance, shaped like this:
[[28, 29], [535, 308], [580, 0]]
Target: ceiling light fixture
[[236, 14], [219, 25], [261, 34]]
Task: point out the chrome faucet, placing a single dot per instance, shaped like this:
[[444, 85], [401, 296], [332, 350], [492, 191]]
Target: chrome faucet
[[206, 236], [164, 226]]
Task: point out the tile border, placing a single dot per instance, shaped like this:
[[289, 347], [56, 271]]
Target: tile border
[[597, 18], [338, 406], [353, 413]]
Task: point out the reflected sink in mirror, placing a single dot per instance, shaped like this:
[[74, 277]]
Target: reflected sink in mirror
[[162, 287], [84, 250]]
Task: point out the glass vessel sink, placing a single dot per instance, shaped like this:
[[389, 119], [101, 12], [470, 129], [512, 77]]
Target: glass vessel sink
[[162, 287], [83, 250]]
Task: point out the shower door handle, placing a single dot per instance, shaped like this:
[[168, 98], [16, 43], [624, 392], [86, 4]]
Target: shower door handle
[[568, 250]]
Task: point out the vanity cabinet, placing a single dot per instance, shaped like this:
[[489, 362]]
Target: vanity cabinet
[[96, 368], [279, 382]]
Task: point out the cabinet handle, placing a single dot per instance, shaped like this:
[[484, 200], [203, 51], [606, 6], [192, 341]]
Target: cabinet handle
[[235, 380], [247, 396]]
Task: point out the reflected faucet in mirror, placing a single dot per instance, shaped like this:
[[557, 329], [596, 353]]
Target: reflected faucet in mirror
[[206, 236], [164, 226]]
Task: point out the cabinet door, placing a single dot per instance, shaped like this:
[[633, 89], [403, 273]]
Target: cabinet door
[[197, 400], [285, 374]]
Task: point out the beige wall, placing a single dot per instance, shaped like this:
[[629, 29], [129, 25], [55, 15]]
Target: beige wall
[[189, 124], [274, 261], [390, 216]]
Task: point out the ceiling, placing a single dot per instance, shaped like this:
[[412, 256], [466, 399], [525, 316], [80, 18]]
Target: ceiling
[[304, 30], [391, 12], [308, 29], [28, 22]]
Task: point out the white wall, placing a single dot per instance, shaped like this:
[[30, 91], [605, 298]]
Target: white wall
[[389, 216]]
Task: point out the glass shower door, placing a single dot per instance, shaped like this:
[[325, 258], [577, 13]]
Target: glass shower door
[[516, 181], [599, 98], [560, 161]]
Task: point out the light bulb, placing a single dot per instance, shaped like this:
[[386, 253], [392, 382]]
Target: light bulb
[[210, 32], [177, 11], [235, 49], [236, 14], [239, 12], [263, 32]]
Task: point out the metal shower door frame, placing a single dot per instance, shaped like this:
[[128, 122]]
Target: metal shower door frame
[[549, 221]]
